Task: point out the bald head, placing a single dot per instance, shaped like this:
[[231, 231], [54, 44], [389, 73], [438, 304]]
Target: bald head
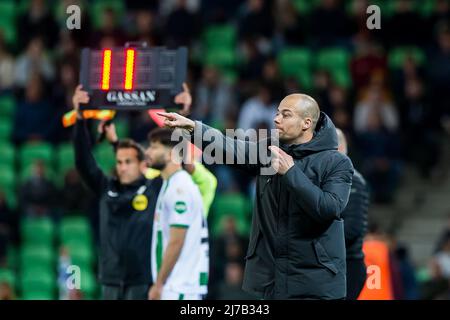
[[306, 106], [342, 141]]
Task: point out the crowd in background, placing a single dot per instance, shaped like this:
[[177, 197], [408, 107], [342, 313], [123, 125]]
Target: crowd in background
[[392, 116]]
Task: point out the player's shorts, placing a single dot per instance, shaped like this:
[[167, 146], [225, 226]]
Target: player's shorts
[[171, 295]]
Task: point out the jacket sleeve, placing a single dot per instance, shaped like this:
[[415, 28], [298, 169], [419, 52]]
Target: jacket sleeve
[[206, 183], [247, 155], [327, 202], [355, 213], [84, 160]]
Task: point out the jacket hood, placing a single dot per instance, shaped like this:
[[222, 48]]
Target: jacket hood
[[325, 138]]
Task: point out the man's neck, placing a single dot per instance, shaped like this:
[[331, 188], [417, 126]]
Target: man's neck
[[169, 170]]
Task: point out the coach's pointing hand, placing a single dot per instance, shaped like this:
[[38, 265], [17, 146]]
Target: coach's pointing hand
[[281, 161], [174, 120]]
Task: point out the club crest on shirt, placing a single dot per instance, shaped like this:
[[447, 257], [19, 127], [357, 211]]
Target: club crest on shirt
[[140, 202], [180, 207]]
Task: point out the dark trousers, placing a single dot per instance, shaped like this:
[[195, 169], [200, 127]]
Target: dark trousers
[[356, 278], [134, 292]]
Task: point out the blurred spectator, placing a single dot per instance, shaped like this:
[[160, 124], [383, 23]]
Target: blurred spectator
[[6, 292], [38, 194], [256, 22], [367, 60], [169, 6], [329, 24], [440, 15], [403, 271], [181, 25], [401, 23], [408, 274], [409, 70], [255, 60], [6, 66], [219, 11], [231, 287], [379, 148], [375, 99], [64, 262], [377, 259], [5, 228], [75, 198], [109, 29], [290, 24], [439, 70], [321, 85], [34, 118], [443, 238], [215, 100], [228, 246], [420, 128], [147, 29], [340, 108], [272, 78], [37, 21], [67, 50], [33, 60], [259, 111], [440, 269]]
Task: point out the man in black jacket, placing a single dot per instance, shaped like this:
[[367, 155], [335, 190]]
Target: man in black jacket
[[127, 204], [297, 245], [355, 228]]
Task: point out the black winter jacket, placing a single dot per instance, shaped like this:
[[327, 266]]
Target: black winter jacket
[[297, 245]]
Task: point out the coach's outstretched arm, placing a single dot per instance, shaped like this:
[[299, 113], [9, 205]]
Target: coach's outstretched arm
[[84, 160], [245, 154]]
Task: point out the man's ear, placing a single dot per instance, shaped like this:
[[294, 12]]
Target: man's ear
[[143, 166], [307, 124]]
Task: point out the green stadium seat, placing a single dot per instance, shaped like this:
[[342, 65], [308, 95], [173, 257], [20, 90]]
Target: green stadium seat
[[65, 157], [220, 37], [397, 56], [332, 58], [38, 231], [6, 127], [235, 205], [222, 58], [7, 105], [426, 7], [104, 154], [81, 254], [11, 197], [7, 20], [336, 62], [8, 276], [342, 77], [305, 7], [122, 128], [41, 260], [27, 172], [38, 295], [75, 229], [11, 257], [38, 280], [31, 152], [88, 284], [7, 177], [296, 62], [7, 154]]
